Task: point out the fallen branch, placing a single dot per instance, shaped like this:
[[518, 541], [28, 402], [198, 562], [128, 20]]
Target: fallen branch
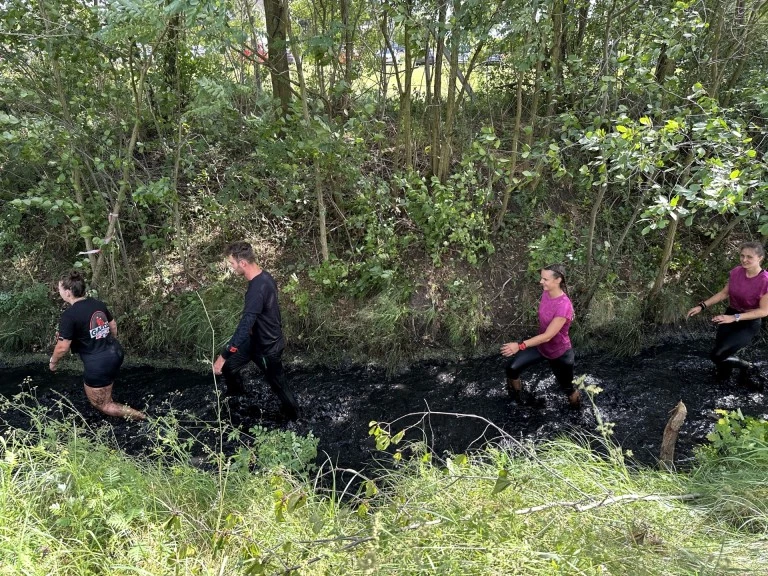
[[671, 431], [607, 501]]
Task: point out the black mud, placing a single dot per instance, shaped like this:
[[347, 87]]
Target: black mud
[[338, 405]]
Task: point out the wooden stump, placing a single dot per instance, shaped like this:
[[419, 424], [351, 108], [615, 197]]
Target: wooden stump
[[671, 430]]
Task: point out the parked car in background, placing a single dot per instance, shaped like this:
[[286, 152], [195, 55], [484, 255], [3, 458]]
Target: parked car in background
[[494, 60], [390, 57], [464, 57]]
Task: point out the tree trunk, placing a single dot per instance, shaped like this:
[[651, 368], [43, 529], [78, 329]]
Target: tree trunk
[[555, 62], [446, 152], [67, 115], [405, 95], [515, 142], [137, 87], [671, 432], [598, 277], [347, 55], [437, 125], [319, 195], [275, 12], [596, 206]]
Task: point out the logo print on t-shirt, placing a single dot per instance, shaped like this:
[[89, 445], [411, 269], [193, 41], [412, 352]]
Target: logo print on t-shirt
[[99, 325]]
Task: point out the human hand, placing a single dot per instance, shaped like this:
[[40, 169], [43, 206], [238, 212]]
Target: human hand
[[510, 349], [693, 311], [723, 319], [218, 365], [52, 365]]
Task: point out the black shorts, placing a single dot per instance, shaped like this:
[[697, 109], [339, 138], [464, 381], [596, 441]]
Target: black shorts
[[102, 367]]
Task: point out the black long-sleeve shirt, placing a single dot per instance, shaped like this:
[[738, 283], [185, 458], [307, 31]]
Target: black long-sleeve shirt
[[260, 321]]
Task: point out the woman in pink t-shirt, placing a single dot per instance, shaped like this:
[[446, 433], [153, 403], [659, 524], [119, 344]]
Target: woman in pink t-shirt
[[747, 294], [552, 343]]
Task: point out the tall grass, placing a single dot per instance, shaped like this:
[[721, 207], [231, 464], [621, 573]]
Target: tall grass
[[70, 504]]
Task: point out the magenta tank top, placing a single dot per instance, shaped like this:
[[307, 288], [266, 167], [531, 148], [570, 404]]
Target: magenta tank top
[[549, 309], [745, 293]]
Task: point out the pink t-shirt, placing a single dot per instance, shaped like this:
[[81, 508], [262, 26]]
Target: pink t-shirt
[[745, 293], [549, 309]]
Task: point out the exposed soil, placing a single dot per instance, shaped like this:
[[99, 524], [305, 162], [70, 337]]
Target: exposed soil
[[338, 405]]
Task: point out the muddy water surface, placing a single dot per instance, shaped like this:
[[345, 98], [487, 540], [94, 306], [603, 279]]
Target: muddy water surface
[[338, 405]]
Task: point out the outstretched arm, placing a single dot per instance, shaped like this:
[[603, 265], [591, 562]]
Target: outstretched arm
[[711, 301], [511, 348]]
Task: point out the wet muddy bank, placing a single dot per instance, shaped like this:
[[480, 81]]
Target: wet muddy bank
[[338, 404]]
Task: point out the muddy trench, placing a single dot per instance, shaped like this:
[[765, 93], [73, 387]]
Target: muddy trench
[[338, 404]]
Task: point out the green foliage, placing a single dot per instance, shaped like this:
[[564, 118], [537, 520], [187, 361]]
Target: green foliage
[[736, 434], [466, 314], [559, 244], [284, 450], [451, 216], [28, 319]]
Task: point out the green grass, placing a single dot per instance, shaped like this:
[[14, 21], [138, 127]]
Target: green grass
[[70, 504]]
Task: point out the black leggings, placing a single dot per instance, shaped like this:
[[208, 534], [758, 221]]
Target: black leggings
[[562, 367], [733, 337], [272, 369]]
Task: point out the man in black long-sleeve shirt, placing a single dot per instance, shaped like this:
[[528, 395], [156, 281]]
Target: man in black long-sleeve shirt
[[259, 335]]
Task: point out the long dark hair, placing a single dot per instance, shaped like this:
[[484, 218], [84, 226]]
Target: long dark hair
[[559, 271], [74, 281]]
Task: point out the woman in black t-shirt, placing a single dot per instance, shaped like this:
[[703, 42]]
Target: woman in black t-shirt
[[88, 328]]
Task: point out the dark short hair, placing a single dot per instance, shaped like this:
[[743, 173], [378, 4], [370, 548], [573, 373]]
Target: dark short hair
[[241, 251], [559, 272], [756, 246], [74, 281]]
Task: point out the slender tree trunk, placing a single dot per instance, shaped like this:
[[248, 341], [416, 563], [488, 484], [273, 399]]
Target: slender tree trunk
[[669, 243], [405, 96], [437, 125], [535, 98], [137, 87], [446, 153], [600, 275], [605, 66], [515, 143], [555, 62], [275, 13], [318, 175], [67, 115], [255, 42]]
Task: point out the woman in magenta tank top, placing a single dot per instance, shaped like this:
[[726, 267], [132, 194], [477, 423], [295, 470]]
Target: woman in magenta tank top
[[747, 294], [552, 343]]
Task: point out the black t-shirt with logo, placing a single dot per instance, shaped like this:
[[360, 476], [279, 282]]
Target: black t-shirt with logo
[[86, 324]]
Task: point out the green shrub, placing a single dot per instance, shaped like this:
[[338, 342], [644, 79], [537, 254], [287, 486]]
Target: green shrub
[[284, 449], [466, 313], [28, 318]]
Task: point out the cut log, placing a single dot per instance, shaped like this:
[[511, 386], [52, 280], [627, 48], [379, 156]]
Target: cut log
[[671, 430]]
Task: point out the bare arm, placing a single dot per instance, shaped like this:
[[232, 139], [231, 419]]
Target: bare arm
[[61, 350], [554, 327], [711, 301], [760, 312]]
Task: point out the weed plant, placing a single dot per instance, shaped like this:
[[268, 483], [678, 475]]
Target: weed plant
[[71, 504]]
